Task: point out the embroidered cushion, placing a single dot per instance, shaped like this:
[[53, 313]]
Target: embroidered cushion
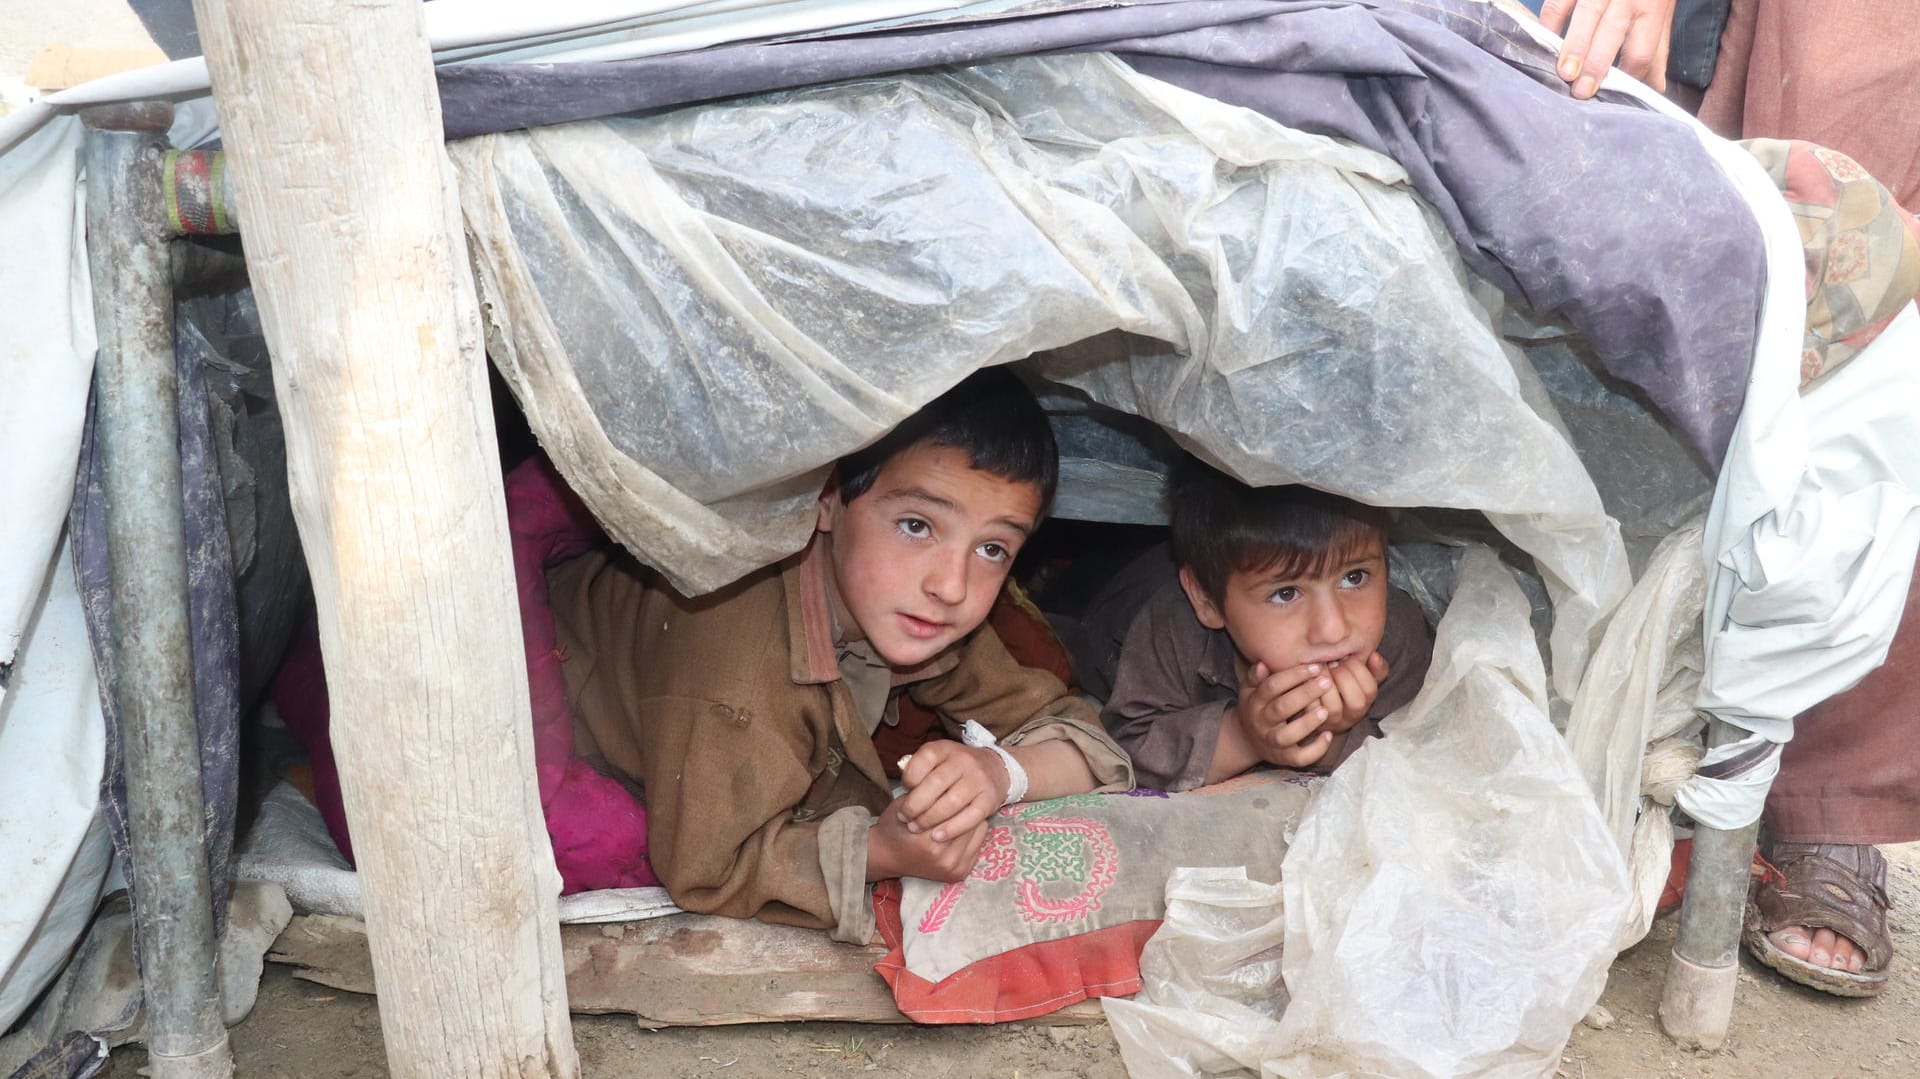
[[1054, 870]]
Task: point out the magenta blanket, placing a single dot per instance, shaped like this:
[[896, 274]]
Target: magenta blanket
[[599, 830]]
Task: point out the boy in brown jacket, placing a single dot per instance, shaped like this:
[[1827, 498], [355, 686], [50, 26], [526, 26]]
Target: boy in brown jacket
[[746, 716]]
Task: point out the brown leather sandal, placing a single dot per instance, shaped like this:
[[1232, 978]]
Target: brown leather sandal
[[1824, 886]]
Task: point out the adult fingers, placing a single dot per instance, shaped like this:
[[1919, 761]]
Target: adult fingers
[[1642, 44], [1578, 36], [1608, 35], [1657, 77], [1553, 14]]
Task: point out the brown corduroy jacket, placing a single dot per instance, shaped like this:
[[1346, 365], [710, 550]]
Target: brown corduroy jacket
[[759, 777]]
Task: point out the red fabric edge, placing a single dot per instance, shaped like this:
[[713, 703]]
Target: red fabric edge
[[1021, 984]]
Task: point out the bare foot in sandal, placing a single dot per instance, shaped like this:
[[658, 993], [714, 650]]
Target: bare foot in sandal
[[1822, 921], [1821, 947]]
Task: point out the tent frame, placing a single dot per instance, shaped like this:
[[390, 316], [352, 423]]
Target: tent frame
[[134, 311]]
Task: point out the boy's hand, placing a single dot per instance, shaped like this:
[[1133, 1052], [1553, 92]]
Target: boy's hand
[[1355, 686], [1282, 714], [951, 789], [893, 851]]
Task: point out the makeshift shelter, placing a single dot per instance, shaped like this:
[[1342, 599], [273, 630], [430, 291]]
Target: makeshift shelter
[[1308, 241]]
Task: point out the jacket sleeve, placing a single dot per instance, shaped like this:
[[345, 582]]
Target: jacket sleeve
[[722, 773], [1160, 713], [1022, 706], [721, 787]]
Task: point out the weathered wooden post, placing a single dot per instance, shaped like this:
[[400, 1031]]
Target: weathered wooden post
[[332, 125]]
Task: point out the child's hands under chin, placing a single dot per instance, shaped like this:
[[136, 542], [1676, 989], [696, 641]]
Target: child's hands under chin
[[951, 789], [1282, 713], [1355, 687]]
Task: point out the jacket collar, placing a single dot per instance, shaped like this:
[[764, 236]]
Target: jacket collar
[[810, 644]]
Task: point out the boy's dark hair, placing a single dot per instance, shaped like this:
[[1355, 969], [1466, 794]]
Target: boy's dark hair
[[1220, 526], [991, 415]]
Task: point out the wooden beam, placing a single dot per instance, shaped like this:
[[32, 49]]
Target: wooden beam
[[681, 970], [331, 121]]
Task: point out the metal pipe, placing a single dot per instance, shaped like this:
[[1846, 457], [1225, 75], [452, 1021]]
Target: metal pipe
[[1696, 1005], [139, 433]]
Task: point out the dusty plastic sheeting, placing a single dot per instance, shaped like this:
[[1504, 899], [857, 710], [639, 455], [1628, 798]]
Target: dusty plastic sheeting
[[1475, 917], [1113, 466], [701, 310], [1634, 730]]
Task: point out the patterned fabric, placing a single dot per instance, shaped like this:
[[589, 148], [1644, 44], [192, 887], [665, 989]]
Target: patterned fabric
[[1054, 870], [198, 193], [1863, 250], [1020, 984]]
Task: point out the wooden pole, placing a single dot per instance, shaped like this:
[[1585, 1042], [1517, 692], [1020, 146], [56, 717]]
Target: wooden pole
[[332, 124]]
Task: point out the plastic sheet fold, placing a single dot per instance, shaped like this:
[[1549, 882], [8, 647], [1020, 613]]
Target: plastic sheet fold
[[701, 310]]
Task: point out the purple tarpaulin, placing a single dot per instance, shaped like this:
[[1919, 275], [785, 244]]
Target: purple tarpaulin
[[1602, 213]]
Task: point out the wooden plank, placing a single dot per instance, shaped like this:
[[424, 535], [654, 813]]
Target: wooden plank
[[681, 970], [331, 119]]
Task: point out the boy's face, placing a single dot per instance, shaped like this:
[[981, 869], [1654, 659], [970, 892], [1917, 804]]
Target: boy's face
[[1288, 621], [920, 557]]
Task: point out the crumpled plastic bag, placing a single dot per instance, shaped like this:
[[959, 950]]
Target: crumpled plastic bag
[[1213, 991], [1449, 902]]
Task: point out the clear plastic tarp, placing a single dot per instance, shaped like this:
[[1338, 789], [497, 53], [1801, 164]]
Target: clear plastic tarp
[[701, 310]]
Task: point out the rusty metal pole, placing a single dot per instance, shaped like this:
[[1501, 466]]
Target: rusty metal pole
[[139, 433]]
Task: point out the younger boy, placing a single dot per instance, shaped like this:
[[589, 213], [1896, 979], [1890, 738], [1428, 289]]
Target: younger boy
[[1270, 636], [747, 715]]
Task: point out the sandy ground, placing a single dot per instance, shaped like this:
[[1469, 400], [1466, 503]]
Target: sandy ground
[[304, 1031]]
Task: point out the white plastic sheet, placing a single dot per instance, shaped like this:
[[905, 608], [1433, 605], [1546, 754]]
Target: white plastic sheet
[[700, 311], [54, 852], [1634, 731], [288, 847], [1456, 876], [46, 362]]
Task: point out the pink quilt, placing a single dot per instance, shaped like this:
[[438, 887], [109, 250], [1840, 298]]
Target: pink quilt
[[599, 830]]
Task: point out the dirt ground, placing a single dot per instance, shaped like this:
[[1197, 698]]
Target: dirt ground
[[304, 1031]]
